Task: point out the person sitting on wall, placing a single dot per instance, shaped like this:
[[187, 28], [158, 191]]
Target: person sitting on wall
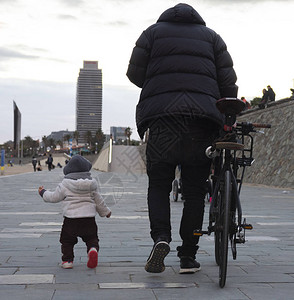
[[248, 106], [292, 96], [271, 94], [264, 99]]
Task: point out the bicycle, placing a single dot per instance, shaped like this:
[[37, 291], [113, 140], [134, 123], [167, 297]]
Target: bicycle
[[230, 154], [177, 186]]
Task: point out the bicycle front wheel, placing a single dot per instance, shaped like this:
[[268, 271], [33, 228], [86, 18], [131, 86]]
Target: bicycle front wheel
[[175, 190], [225, 230]]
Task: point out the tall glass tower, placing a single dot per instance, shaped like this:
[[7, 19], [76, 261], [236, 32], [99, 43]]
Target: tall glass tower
[[89, 100]]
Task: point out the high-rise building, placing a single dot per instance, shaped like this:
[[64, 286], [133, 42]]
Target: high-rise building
[[89, 100], [118, 133]]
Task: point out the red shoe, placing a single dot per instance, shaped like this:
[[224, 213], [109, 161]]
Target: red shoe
[[67, 264], [92, 258]]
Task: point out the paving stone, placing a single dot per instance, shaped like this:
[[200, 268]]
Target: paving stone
[[26, 279], [126, 294], [269, 293], [204, 291], [263, 269], [25, 294]]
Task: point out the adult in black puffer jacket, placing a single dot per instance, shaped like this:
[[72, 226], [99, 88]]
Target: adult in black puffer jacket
[[183, 68]]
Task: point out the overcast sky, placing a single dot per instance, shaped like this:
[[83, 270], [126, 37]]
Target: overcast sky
[[43, 45]]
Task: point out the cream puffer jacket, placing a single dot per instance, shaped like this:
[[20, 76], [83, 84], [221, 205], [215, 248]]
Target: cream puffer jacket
[[80, 198]]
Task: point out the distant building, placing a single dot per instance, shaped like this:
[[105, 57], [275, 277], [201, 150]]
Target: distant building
[[107, 137], [89, 100], [118, 133], [17, 128], [59, 135]]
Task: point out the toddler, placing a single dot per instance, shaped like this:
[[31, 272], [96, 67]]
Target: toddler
[[81, 200]]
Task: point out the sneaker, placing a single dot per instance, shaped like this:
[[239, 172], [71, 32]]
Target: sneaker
[[155, 262], [189, 265], [92, 258], [67, 265]]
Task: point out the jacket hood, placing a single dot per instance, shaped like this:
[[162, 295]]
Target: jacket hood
[[77, 164], [181, 13], [80, 186]]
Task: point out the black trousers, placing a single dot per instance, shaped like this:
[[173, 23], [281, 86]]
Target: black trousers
[[178, 142], [86, 228]]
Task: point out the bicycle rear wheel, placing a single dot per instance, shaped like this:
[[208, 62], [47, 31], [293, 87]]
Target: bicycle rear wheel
[[225, 230]]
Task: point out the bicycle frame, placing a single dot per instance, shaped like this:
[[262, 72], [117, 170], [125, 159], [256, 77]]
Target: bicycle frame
[[228, 164]]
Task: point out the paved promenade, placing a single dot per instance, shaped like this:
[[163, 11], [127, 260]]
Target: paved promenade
[[30, 249]]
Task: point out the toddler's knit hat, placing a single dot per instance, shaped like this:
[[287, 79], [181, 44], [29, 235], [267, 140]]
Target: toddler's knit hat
[[77, 164]]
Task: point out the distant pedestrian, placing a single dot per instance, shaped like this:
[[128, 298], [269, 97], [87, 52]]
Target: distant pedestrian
[[81, 200], [34, 163], [39, 167], [49, 162], [271, 93]]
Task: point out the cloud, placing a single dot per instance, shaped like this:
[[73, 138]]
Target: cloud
[[8, 1], [243, 1], [6, 53], [73, 3], [220, 2], [123, 1], [66, 17], [118, 23], [26, 48]]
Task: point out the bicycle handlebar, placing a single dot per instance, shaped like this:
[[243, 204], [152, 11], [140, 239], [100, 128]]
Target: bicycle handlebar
[[247, 127], [261, 125]]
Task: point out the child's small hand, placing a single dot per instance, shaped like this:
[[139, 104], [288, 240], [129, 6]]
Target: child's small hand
[[40, 188], [108, 216]]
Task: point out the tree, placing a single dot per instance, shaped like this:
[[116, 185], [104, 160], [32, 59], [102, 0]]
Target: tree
[[67, 137], [255, 101], [88, 137], [29, 145], [99, 138], [8, 146], [76, 136], [60, 143], [51, 143], [128, 133], [45, 141]]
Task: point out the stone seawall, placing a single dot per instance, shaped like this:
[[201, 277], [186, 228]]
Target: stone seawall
[[273, 150]]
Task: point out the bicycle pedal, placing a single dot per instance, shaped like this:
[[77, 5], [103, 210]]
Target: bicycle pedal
[[198, 232], [240, 240], [247, 226]]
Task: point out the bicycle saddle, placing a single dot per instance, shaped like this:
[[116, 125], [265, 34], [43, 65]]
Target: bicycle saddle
[[230, 106]]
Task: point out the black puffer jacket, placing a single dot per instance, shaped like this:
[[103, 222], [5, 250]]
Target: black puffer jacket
[[182, 66]]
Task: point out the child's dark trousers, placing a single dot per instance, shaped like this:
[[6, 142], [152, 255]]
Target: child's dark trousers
[[85, 228]]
